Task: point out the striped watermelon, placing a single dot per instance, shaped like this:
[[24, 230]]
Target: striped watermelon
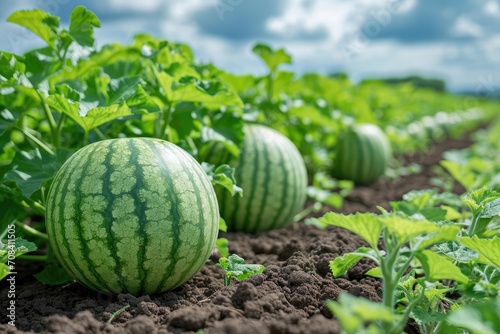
[[362, 154], [136, 215], [273, 176]]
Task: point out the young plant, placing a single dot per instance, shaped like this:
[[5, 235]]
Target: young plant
[[235, 267], [396, 243]]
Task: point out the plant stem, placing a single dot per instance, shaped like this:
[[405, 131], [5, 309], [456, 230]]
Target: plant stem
[[50, 119], [31, 231], [474, 222], [34, 258], [299, 216], [36, 140], [167, 118], [60, 125], [85, 138], [100, 134], [270, 86], [113, 316]]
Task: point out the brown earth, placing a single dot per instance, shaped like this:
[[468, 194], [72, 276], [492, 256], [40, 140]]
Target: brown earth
[[287, 298]]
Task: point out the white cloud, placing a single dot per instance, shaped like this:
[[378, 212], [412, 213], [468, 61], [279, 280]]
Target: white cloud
[[465, 27], [492, 8], [140, 6]]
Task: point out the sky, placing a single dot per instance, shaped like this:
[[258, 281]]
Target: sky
[[458, 41]]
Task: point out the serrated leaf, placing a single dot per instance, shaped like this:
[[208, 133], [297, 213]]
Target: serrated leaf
[[11, 199], [272, 58], [445, 233], [340, 265], [492, 209], [457, 252], [226, 128], [488, 249], [235, 267], [366, 225], [224, 176], [31, 169], [53, 275], [211, 94], [81, 27], [424, 316], [95, 117], [20, 247], [38, 22], [438, 267], [406, 229]]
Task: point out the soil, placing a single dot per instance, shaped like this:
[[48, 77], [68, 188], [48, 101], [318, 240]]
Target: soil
[[289, 297]]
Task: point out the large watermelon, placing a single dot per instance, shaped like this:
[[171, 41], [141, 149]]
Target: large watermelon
[[273, 176], [136, 215], [362, 154]]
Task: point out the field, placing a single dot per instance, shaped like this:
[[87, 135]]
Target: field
[[327, 225]]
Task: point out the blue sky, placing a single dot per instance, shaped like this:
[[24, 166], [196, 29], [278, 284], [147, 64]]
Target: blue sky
[[458, 41]]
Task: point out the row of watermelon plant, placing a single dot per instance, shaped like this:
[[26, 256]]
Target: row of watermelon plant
[[61, 97], [437, 254]]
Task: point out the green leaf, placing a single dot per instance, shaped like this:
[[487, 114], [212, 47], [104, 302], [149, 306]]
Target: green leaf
[[438, 267], [354, 312], [457, 252], [120, 90], [488, 249], [445, 233], [223, 246], [91, 119], [19, 246], [39, 22], [81, 27], [226, 128], [375, 272], [222, 225], [424, 316], [478, 318], [165, 81], [340, 265], [272, 58], [406, 229], [223, 175], [492, 209], [210, 93], [239, 83], [53, 274], [462, 175], [235, 267], [11, 199], [4, 271], [366, 225], [31, 169]]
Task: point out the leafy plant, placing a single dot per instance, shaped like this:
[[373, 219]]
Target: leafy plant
[[405, 242], [235, 267]]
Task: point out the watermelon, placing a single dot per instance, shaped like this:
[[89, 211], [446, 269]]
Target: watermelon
[[132, 215], [362, 154], [273, 176]]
